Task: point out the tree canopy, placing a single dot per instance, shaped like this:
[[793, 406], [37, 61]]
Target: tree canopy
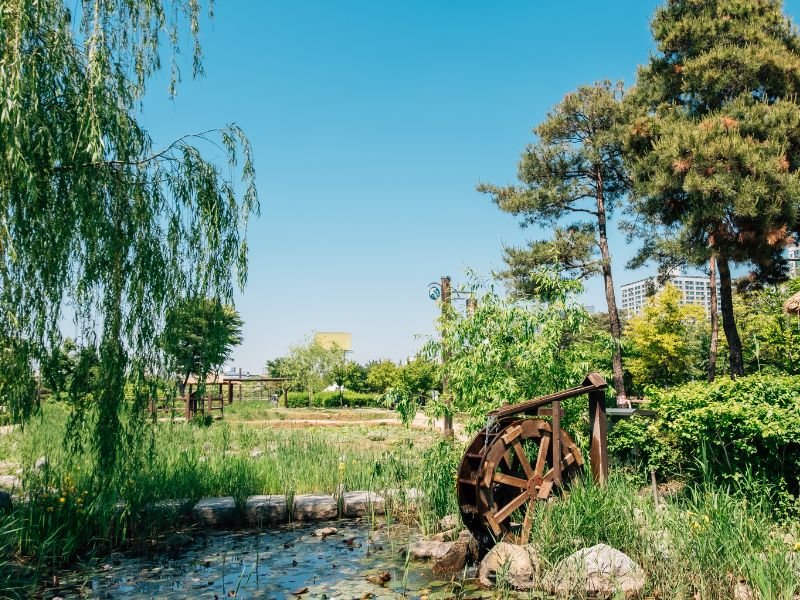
[[574, 170], [199, 336], [715, 146], [94, 214]]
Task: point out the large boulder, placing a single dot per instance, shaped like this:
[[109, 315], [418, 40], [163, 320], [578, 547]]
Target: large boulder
[[510, 564], [600, 570], [453, 560], [266, 510], [311, 507], [215, 512], [359, 504], [427, 549]]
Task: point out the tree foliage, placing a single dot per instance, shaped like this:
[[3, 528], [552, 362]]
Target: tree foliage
[[199, 336], [574, 170], [312, 366], [382, 375], [93, 213], [770, 337], [665, 344], [715, 145], [512, 350]]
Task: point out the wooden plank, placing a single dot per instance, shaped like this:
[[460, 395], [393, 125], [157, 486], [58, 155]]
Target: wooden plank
[[544, 490], [598, 449], [509, 508], [510, 480], [523, 459]]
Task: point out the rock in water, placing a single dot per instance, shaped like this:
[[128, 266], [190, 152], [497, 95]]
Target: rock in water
[[381, 578], [215, 512], [599, 570], [325, 532], [424, 549], [359, 504], [515, 565], [314, 507], [453, 560]]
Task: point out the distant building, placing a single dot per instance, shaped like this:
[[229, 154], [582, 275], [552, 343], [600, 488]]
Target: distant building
[[794, 260], [696, 289]]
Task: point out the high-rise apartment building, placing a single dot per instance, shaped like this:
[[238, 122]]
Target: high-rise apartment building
[[793, 253], [696, 289]]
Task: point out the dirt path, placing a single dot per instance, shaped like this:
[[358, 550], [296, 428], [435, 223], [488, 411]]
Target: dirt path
[[419, 422]]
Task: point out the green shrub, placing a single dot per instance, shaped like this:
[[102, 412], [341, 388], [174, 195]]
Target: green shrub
[[335, 399], [729, 430]]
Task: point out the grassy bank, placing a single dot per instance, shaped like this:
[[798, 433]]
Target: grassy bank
[[66, 515], [700, 542]]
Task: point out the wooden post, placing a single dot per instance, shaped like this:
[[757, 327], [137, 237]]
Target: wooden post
[[556, 442], [598, 451], [189, 402], [448, 418], [240, 384], [230, 392]]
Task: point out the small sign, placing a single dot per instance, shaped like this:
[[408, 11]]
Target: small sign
[[434, 291]]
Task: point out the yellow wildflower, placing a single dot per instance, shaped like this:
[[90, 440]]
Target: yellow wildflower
[[62, 500]]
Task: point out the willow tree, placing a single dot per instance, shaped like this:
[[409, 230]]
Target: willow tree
[[574, 171], [716, 150], [95, 215]]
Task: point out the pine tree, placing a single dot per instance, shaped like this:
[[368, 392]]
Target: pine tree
[[574, 170], [714, 151]]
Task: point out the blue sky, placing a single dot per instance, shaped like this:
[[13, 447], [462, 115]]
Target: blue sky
[[371, 124]]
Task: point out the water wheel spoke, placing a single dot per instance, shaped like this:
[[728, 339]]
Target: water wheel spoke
[[509, 508], [510, 480], [541, 459], [544, 491], [507, 459], [522, 458], [527, 524]]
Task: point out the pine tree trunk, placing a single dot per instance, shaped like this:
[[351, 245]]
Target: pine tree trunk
[[728, 319], [712, 352], [611, 300]]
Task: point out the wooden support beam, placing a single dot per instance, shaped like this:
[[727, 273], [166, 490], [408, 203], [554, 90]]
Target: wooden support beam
[[598, 450]]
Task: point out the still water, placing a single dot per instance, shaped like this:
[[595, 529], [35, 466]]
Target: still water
[[283, 563]]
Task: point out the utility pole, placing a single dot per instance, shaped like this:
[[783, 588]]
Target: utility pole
[[448, 417]]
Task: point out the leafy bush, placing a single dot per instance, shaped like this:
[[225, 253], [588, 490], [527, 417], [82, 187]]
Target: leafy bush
[[728, 430], [335, 399]]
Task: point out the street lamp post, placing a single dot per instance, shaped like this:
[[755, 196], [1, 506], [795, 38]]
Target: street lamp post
[[445, 291]]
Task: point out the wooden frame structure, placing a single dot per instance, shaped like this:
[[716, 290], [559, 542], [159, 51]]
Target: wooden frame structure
[[496, 478], [224, 388]]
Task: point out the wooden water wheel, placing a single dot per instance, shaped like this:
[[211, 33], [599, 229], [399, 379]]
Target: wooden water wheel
[[520, 458], [507, 468]]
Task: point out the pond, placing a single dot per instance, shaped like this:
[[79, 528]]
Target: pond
[[290, 562]]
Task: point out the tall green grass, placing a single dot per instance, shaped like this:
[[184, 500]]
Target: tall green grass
[[698, 544], [66, 514]]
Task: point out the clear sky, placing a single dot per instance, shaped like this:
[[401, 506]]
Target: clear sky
[[371, 124]]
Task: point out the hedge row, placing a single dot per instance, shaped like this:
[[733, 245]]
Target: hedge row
[[729, 429], [336, 399]]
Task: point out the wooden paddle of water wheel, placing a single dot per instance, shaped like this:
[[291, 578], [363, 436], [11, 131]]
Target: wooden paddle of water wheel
[[520, 458]]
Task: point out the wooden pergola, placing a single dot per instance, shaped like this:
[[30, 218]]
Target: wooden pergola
[[223, 385], [277, 383]]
